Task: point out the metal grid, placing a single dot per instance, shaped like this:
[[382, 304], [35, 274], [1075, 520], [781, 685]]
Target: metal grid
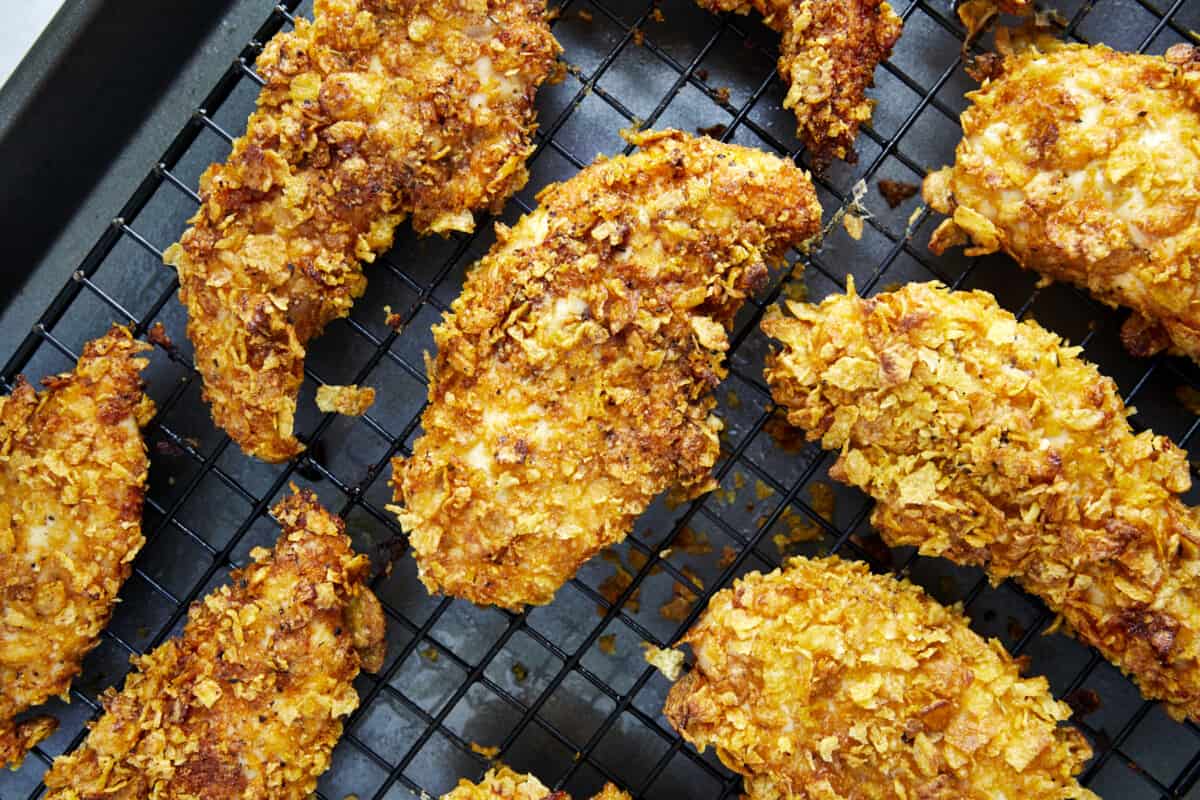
[[562, 691]]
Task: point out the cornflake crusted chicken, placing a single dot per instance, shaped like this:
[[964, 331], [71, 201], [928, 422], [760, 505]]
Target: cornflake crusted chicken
[[248, 703], [987, 441], [376, 110], [503, 783], [823, 681], [72, 479], [573, 378], [827, 57], [1082, 163]]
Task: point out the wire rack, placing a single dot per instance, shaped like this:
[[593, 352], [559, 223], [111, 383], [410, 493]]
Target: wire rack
[[563, 690]]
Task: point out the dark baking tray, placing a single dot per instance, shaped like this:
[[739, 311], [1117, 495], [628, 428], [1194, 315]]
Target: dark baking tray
[[562, 690]]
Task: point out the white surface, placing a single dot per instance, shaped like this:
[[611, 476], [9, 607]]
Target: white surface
[[24, 21]]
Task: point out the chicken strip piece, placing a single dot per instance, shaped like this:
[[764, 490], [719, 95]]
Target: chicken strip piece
[[823, 681], [1081, 164], [827, 57], [72, 479], [574, 374], [502, 783], [376, 110], [248, 703], [988, 441]]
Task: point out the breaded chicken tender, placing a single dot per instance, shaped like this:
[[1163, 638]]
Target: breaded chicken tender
[[827, 58], [248, 703], [502, 783], [1081, 163], [375, 111], [72, 479], [990, 442], [574, 374], [823, 681]]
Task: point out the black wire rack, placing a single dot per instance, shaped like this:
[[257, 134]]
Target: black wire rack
[[563, 690]]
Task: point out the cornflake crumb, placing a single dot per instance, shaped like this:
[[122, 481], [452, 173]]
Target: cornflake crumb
[[853, 225], [728, 556], [896, 192], [585, 15], [158, 335], [350, 401], [607, 644], [682, 598], [484, 750], [520, 672], [639, 37], [723, 94], [392, 320], [430, 653], [693, 542], [669, 662], [657, 15]]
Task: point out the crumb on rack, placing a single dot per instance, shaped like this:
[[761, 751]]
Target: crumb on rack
[[896, 192], [667, 661], [657, 15], [519, 672], [639, 37], [614, 585], [712, 131], [392, 320], [728, 556], [723, 94], [584, 15], [693, 542], [789, 438], [607, 644], [350, 401], [484, 750], [853, 225], [682, 597], [158, 335], [430, 654]]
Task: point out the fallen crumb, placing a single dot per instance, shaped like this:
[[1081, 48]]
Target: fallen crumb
[[558, 73], [554, 14], [853, 225], [789, 438], [797, 530], [607, 644], [723, 94], [520, 672], [657, 15], [392, 320], [732, 400], [639, 37], [486, 752], [1083, 702], [158, 335], [664, 554], [712, 131], [430, 654], [761, 490], [739, 479], [584, 15], [350, 401], [682, 598], [823, 501], [614, 585], [669, 662], [702, 74], [896, 192], [693, 542]]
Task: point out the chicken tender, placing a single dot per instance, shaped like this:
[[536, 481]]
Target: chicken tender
[[1082, 164], [72, 479], [374, 111], [827, 58], [503, 783], [248, 703], [990, 442], [823, 681], [574, 374]]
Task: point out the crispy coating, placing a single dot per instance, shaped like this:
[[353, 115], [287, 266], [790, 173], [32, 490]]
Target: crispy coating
[[1082, 163], [502, 783], [827, 57], [72, 479], [988, 441], [377, 110], [248, 703], [823, 681], [574, 374]]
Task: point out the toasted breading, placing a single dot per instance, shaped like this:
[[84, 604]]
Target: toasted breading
[[352, 401], [827, 58], [72, 480], [1082, 163], [375, 111], [823, 681], [248, 703], [990, 442], [502, 783], [574, 374]]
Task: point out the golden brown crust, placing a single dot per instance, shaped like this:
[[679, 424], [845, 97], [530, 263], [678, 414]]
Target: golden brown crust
[[72, 479], [1081, 163], [377, 110], [823, 681], [502, 783], [248, 703], [574, 374], [989, 442], [827, 57]]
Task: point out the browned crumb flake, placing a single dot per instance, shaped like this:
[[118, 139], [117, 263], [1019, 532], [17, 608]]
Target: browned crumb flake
[[1095, 188], [574, 376], [728, 556], [607, 644], [249, 701], [371, 113], [351, 401], [989, 442], [682, 597], [823, 681], [72, 479], [896, 192], [502, 783], [827, 57]]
